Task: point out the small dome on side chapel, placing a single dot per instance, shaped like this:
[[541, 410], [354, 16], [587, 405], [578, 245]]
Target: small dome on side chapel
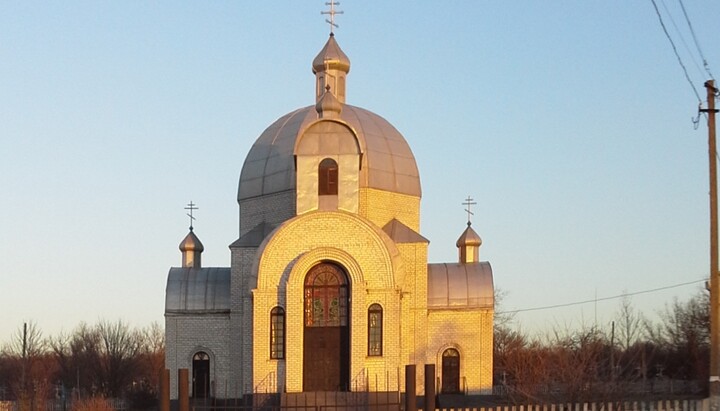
[[469, 238], [191, 243], [191, 249]]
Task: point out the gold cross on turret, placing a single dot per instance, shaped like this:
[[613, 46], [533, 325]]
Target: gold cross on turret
[[332, 14], [469, 202]]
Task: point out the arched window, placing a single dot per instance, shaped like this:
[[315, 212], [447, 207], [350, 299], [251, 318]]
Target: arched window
[[326, 297], [277, 333], [375, 330], [200, 375], [328, 177], [451, 371]]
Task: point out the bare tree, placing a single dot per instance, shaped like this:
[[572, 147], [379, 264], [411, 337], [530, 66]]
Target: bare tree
[[120, 347], [630, 323], [683, 336], [25, 352]]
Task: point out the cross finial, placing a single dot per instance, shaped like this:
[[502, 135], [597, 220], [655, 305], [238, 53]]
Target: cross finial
[[469, 202], [332, 13], [191, 206]]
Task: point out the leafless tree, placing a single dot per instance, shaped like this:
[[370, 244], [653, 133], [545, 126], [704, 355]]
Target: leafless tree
[[683, 337], [630, 323], [25, 352], [120, 347]]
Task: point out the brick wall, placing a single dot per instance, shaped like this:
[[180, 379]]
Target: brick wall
[[188, 334]]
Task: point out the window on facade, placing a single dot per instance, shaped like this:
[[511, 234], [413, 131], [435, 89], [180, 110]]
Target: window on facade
[[375, 320], [277, 333], [326, 298], [328, 177]]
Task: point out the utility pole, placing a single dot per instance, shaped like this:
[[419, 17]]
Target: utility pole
[[714, 383]]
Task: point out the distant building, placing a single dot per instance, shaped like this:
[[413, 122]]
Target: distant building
[[329, 288]]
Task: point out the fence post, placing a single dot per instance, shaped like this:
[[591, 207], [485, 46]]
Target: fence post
[[165, 390], [183, 396], [429, 387], [410, 392]]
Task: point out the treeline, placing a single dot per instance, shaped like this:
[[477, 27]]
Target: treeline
[[108, 359], [632, 357]]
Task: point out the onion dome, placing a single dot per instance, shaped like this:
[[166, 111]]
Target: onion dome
[[191, 248], [331, 67], [331, 57], [469, 246], [328, 106]]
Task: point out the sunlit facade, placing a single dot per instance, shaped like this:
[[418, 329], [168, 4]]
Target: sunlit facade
[[329, 287]]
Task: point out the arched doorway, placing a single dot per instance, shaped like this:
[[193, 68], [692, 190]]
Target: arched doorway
[[451, 371], [326, 351], [200, 375]]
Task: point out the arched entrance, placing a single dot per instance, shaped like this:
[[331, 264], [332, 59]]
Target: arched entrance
[[326, 351], [451, 371], [200, 375]]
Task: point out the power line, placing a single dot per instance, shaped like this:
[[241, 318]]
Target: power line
[[687, 77], [682, 38], [653, 290], [697, 44]]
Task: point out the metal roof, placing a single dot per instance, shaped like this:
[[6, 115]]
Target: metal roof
[[454, 285], [400, 233], [198, 290], [331, 57], [387, 161]]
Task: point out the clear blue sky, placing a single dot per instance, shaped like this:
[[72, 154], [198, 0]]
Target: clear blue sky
[[568, 122]]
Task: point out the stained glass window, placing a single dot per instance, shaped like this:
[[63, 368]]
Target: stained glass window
[[277, 333], [326, 296], [375, 320]]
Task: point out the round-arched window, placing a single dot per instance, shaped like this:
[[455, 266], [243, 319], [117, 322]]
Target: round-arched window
[[326, 296]]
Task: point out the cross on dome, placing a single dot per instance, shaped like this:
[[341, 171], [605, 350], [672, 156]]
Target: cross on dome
[[191, 206], [332, 12], [469, 202]]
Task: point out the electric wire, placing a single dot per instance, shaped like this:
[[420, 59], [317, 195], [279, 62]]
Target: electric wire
[[682, 38], [697, 43], [672, 43], [548, 307]]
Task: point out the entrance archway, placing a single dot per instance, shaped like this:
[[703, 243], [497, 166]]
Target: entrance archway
[[326, 350], [451, 371], [200, 375]]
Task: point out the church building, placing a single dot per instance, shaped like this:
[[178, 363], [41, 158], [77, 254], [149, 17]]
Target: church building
[[329, 286]]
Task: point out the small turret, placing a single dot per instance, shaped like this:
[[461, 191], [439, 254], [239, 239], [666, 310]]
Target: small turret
[[191, 249], [330, 67], [469, 242], [469, 246]]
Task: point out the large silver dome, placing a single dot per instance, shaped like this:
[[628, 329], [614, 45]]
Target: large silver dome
[[387, 161]]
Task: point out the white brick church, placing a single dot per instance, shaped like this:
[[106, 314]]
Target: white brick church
[[329, 287]]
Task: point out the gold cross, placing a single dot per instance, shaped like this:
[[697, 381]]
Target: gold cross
[[332, 14], [191, 207], [469, 202]]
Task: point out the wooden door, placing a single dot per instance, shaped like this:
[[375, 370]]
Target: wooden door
[[451, 371], [200, 375], [326, 348]]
